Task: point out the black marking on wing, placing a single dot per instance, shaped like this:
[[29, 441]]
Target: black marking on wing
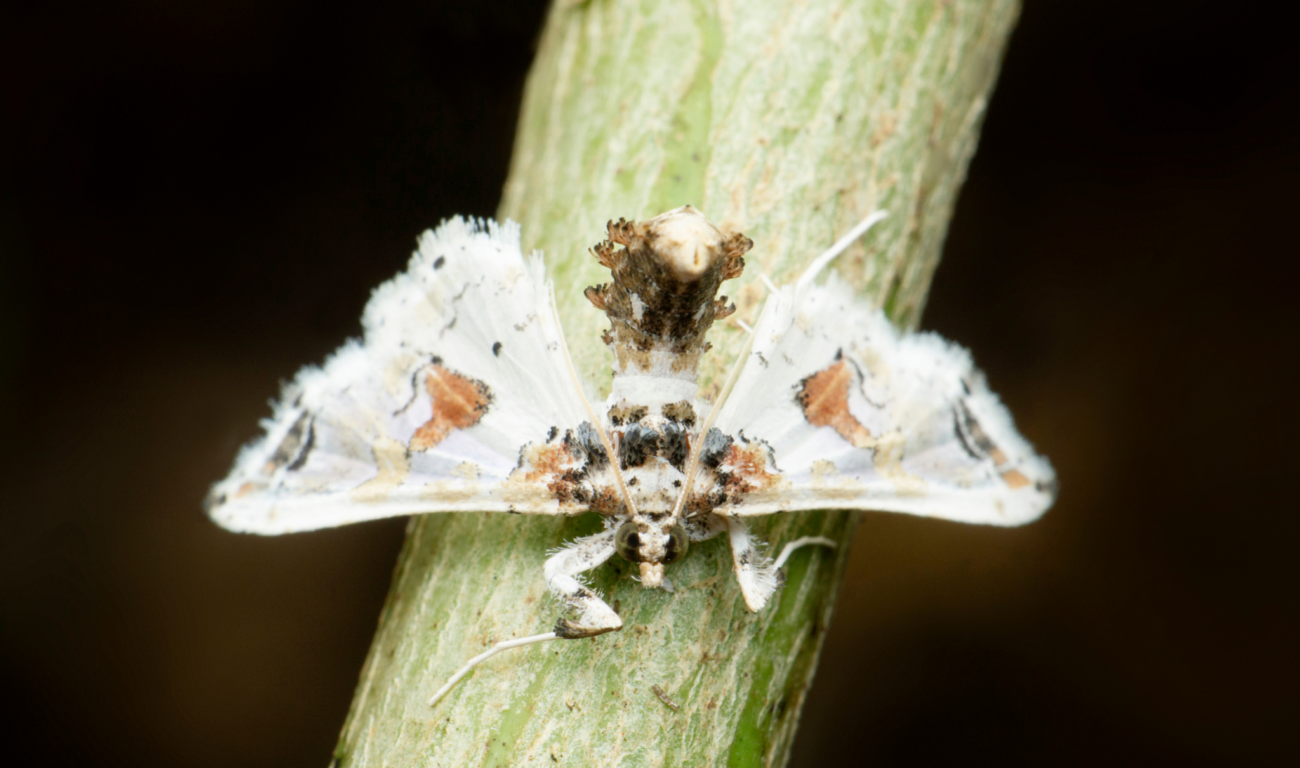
[[415, 385], [715, 448], [213, 500], [972, 436], [438, 262], [307, 445], [585, 443], [767, 448], [861, 383], [291, 446], [496, 349]]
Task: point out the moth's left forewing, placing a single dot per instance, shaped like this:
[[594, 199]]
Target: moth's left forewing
[[853, 415], [454, 401]]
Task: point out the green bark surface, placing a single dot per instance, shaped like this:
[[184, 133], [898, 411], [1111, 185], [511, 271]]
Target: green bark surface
[[788, 121]]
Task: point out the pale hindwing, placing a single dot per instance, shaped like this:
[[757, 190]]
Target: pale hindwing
[[856, 416], [459, 384]]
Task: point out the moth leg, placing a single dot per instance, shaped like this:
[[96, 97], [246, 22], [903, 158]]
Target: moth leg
[[562, 568], [803, 541], [482, 657], [593, 615], [704, 527], [755, 571]]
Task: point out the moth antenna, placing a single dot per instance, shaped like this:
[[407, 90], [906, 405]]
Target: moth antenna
[[591, 413], [489, 653], [819, 263], [744, 326], [767, 281], [708, 423]]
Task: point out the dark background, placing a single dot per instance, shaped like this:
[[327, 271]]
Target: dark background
[[196, 199]]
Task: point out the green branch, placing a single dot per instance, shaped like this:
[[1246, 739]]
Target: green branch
[[789, 121]]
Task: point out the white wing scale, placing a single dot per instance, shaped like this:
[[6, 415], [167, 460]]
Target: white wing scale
[[462, 365], [858, 416]]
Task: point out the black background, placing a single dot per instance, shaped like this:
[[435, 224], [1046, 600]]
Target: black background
[[196, 199]]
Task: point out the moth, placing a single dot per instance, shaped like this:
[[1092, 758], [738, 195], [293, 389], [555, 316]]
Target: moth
[[462, 397]]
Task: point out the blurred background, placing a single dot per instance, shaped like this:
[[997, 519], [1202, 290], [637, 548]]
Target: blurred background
[[197, 198]]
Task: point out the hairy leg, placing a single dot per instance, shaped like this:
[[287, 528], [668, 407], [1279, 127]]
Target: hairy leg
[[759, 575], [594, 617], [754, 570]]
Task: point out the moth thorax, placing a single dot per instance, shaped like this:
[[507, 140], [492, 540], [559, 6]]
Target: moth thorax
[[663, 297]]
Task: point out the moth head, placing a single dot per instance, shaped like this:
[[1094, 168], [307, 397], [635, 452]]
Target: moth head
[[687, 244], [652, 546]]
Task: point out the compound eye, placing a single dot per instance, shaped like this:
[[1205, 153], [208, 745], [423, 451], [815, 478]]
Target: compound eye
[[627, 542], [678, 541]]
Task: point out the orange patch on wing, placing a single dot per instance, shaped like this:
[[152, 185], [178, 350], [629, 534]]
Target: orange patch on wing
[[825, 400], [1014, 479], [459, 402], [747, 466], [545, 461]]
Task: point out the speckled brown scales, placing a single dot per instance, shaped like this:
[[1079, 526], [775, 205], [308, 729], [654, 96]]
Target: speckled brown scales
[[662, 298]]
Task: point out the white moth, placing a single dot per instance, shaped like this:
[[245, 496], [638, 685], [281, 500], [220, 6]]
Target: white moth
[[462, 397]]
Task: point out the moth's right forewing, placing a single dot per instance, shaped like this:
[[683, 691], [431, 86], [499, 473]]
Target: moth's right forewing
[[854, 415], [456, 400]]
